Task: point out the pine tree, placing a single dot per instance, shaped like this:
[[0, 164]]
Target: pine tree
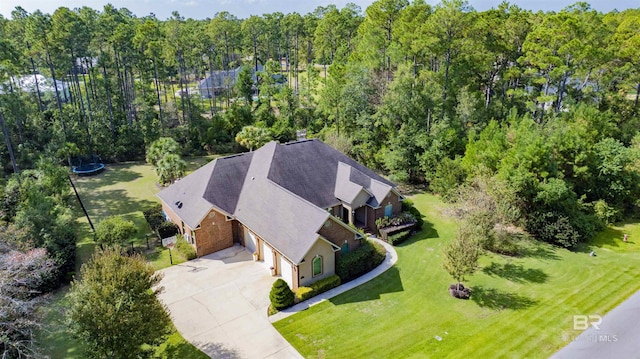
[[281, 295]]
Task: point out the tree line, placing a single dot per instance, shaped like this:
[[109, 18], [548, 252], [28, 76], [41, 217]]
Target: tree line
[[543, 103], [523, 119]]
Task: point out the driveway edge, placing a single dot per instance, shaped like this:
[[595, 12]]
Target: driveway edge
[[390, 259]]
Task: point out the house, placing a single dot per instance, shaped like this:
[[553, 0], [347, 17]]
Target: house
[[33, 83], [218, 81], [293, 204]]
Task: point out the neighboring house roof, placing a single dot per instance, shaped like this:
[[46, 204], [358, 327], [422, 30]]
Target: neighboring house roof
[[280, 191], [223, 78], [28, 84]]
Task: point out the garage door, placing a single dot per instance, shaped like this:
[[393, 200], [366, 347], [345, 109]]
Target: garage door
[[267, 254], [286, 271], [249, 240]]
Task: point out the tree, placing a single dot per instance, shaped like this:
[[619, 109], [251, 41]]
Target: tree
[[253, 137], [160, 148], [114, 307], [461, 255], [170, 167], [21, 276], [244, 84], [115, 230], [281, 295]]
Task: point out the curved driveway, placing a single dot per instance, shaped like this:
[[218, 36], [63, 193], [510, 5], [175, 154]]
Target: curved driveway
[[219, 303]]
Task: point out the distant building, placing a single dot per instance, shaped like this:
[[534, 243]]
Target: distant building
[[218, 81], [44, 84]]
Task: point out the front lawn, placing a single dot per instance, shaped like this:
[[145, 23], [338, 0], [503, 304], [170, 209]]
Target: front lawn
[[520, 307]]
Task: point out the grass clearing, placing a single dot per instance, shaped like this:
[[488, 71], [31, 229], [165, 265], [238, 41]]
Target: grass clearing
[[122, 189], [520, 306]]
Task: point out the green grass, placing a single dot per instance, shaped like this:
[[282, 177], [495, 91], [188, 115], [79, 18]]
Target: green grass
[[125, 190], [122, 189], [521, 306]]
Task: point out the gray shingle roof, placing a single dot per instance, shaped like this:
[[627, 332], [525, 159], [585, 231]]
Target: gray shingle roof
[[309, 169], [185, 196], [286, 221], [279, 191], [225, 183]]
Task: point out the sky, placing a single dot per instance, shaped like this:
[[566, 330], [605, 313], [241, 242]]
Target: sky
[[202, 9]]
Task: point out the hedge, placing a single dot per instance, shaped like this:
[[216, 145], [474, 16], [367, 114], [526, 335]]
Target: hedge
[[407, 206], [317, 287], [185, 248], [399, 237], [154, 216], [354, 264], [167, 229]]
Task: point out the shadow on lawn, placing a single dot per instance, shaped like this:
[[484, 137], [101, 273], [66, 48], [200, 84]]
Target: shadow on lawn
[[516, 273], [611, 237], [428, 231], [110, 176], [539, 250], [387, 282], [498, 300], [112, 202]]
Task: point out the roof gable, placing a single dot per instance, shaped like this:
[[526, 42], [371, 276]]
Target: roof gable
[[226, 180]]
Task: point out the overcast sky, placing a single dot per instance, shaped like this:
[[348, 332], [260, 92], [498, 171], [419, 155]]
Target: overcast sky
[[201, 9]]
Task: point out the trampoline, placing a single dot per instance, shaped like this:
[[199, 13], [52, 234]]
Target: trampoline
[[89, 169]]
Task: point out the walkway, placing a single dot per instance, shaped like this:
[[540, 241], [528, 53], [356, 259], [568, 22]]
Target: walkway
[[615, 337], [390, 259]]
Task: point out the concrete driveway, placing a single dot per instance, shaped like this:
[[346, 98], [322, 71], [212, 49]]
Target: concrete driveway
[[219, 303]]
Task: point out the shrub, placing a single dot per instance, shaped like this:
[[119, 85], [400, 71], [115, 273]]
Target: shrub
[[304, 293], [459, 291], [399, 237], [402, 218], [354, 264], [167, 229], [501, 243], [604, 212], [407, 206], [154, 216], [448, 176], [115, 230], [185, 248], [281, 296], [553, 228], [317, 287]]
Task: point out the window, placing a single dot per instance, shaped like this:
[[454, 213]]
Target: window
[[317, 266], [388, 210]]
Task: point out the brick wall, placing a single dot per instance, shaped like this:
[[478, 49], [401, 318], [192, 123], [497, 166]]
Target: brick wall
[[373, 214], [215, 233], [338, 234]]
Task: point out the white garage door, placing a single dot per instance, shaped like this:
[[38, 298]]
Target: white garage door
[[267, 254], [249, 240], [286, 271]]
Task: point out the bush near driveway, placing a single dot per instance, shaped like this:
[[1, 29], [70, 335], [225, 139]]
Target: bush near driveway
[[317, 287], [281, 295]]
